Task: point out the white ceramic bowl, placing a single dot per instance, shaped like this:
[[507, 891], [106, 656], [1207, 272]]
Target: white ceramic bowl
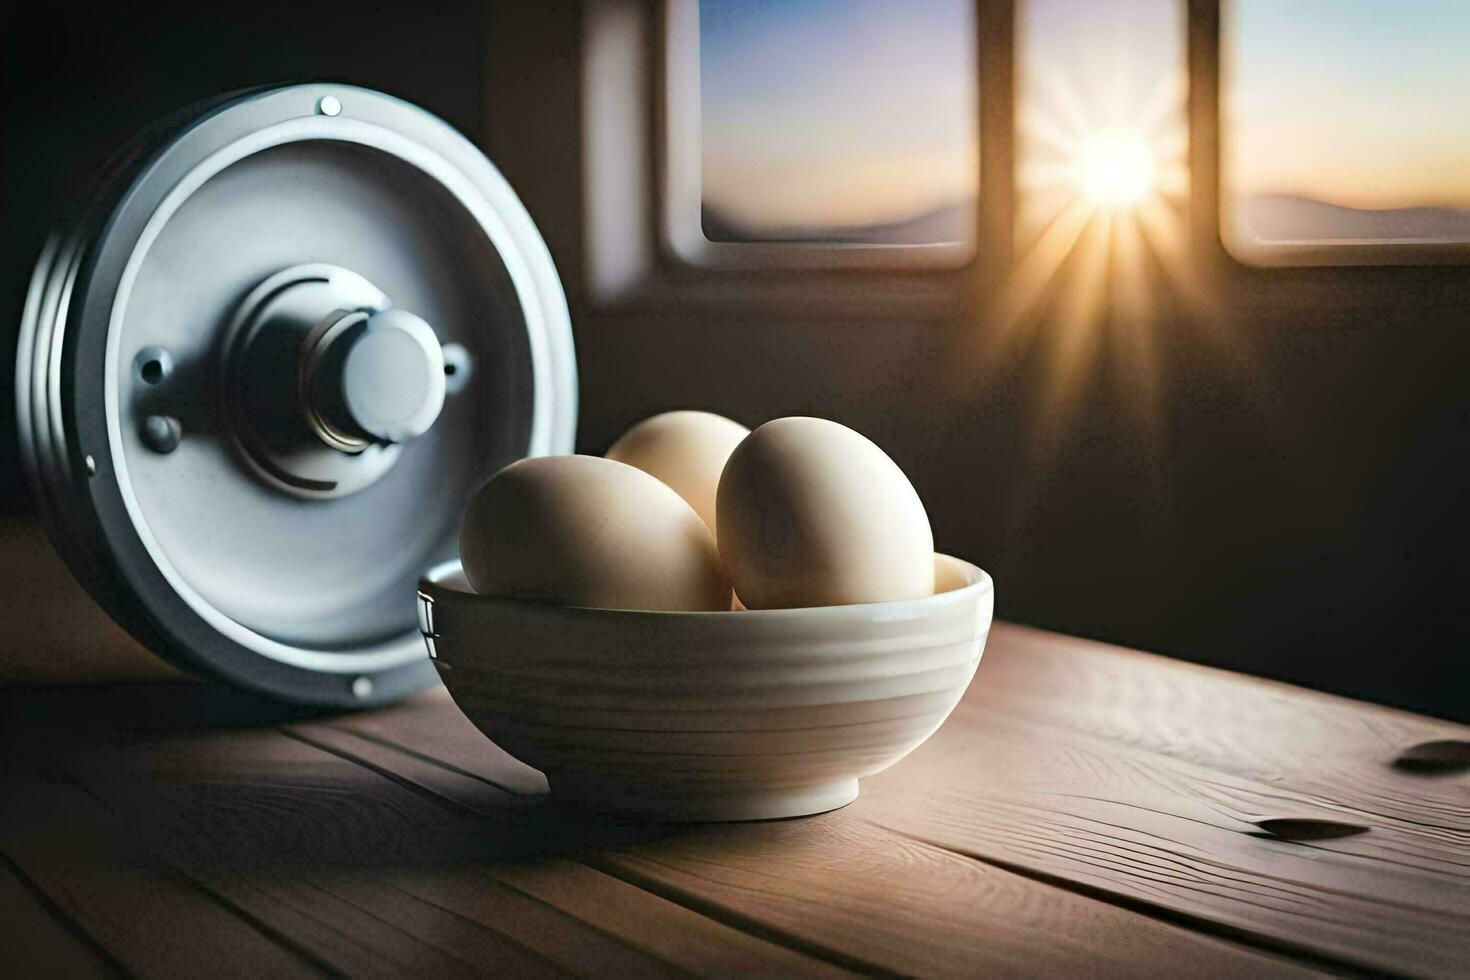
[[708, 715]]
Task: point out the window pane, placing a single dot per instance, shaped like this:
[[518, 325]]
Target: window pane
[[1346, 121], [838, 120], [1100, 121]]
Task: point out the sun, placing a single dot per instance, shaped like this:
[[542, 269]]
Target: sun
[[1114, 169], [1101, 236]]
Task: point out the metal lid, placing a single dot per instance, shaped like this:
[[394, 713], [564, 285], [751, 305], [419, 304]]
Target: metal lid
[[261, 373]]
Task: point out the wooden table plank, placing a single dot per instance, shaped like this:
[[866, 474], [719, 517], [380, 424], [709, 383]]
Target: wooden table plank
[[310, 845], [1423, 850], [903, 906], [666, 929], [35, 941], [1085, 810], [1331, 750], [257, 814], [850, 892], [149, 921], [347, 936], [565, 941], [1389, 893], [663, 928], [1118, 823], [1262, 751], [419, 722]]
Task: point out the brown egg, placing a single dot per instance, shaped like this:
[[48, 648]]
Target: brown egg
[[585, 531], [812, 513], [687, 450]]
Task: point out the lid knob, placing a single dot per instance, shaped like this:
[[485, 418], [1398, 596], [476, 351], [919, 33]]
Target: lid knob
[[371, 378]]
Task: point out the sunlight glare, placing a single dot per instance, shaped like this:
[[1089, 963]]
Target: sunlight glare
[[1102, 199], [1115, 169]]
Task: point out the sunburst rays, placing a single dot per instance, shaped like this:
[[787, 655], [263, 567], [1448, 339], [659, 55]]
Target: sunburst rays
[[1102, 184]]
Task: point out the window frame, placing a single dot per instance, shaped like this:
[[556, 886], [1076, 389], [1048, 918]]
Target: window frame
[[631, 262], [624, 263], [681, 224], [1211, 25]]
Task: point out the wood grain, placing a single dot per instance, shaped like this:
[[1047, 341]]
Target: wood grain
[[1179, 839], [677, 934], [862, 897], [87, 865], [901, 905], [320, 824], [564, 940], [1085, 810], [663, 927], [343, 862], [1063, 769], [1337, 752], [36, 940], [354, 936], [417, 725]]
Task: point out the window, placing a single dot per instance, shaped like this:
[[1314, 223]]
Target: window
[[805, 131], [1344, 126], [1102, 180], [1100, 117]]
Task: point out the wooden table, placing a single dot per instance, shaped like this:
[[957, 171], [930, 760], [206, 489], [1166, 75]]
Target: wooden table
[[1086, 811]]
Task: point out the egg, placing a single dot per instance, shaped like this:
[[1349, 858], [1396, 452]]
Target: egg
[[811, 513], [686, 450], [586, 531]]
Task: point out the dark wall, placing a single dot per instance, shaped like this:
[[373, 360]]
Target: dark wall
[[78, 81]]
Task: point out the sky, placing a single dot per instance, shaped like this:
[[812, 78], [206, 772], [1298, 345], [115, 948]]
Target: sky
[[837, 112], [1364, 103], [1113, 53]]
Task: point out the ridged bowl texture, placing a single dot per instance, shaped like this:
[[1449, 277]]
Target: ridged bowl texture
[[739, 715]]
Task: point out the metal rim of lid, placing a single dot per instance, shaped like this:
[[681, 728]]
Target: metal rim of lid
[[67, 359]]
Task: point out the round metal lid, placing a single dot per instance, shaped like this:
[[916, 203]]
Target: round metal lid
[[261, 373]]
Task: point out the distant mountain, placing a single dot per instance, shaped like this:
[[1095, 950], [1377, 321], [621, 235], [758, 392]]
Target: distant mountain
[[948, 223], [1293, 218]]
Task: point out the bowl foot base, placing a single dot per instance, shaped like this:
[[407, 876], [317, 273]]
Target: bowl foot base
[[680, 804]]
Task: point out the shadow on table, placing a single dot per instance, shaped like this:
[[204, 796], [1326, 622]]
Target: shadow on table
[[207, 775], [148, 706]]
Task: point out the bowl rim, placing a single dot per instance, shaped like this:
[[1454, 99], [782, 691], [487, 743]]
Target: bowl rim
[[434, 586]]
